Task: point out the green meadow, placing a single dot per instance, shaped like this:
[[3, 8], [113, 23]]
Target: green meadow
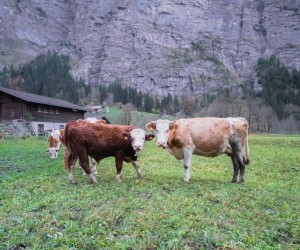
[[40, 209]]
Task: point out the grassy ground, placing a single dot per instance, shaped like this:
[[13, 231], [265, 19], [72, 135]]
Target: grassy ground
[[40, 209]]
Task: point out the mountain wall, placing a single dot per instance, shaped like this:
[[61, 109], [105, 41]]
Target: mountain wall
[[177, 46]]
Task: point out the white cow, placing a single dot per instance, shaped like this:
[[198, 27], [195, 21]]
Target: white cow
[[208, 136]]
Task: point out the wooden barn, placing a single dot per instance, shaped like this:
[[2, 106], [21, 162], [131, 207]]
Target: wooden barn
[[41, 113]]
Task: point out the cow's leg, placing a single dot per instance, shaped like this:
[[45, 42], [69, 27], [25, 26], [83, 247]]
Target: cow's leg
[[187, 162], [94, 166], [119, 166], [242, 172], [136, 165], [241, 163], [70, 166], [237, 158], [235, 169], [84, 163]]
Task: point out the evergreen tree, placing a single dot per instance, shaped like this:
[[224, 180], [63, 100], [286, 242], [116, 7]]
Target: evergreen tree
[[103, 92], [148, 103], [279, 86], [47, 75]]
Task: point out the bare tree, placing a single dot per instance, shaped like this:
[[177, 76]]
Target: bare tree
[[266, 116], [126, 115], [219, 107], [189, 105]]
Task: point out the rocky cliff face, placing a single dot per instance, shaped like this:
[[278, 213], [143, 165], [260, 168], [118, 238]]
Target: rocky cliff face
[[177, 46]]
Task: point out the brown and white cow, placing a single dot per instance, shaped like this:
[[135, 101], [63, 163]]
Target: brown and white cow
[[56, 139], [100, 141], [208, 136]]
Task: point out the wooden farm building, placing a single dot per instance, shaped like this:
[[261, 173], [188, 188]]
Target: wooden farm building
[[41, 113]]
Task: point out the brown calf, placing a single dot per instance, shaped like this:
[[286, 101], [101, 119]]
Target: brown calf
[[99, 141]]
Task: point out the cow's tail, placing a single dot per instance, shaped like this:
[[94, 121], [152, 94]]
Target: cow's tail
[[67, 144], [66, 134], [247, 156]]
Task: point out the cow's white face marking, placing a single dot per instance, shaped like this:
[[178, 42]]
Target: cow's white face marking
[[162, 132], [137, 139], [53, 152]]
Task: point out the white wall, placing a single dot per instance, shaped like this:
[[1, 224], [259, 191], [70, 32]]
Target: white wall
[[47, 126]]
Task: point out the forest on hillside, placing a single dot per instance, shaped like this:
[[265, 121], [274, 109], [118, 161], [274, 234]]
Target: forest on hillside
[[273, 109]]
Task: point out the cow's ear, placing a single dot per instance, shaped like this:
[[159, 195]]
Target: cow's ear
[[149, 137], [126, 135], [173, 127], [151, 126]]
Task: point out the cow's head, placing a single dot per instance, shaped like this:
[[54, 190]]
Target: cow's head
[[162, 129], [53, 152], [137, 137], [55, 140]]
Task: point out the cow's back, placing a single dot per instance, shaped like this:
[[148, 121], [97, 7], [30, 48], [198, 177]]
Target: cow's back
[[98, 140], [206, 136]]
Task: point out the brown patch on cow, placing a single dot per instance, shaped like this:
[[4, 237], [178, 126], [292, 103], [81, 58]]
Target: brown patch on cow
[[149, 137], [151, 126], [62, 136], [52, 142]]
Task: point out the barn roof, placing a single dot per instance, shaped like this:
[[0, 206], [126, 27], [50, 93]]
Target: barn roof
[[29, 97]]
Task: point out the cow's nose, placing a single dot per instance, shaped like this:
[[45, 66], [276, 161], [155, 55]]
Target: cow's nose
[[138, 147], [161, 143]]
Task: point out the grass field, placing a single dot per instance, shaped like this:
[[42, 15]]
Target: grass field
[[40, 209]]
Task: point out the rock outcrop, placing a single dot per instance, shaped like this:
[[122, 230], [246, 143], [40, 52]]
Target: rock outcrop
[[178, 47]]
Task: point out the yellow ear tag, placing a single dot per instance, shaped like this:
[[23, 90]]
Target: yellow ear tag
[[173, 130], [126, 137]]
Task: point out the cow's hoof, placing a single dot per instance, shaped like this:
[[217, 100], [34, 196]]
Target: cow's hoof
[[71, 179], [119, 178], [241, 181], [233, 181], [92, 178], [186, 179]]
